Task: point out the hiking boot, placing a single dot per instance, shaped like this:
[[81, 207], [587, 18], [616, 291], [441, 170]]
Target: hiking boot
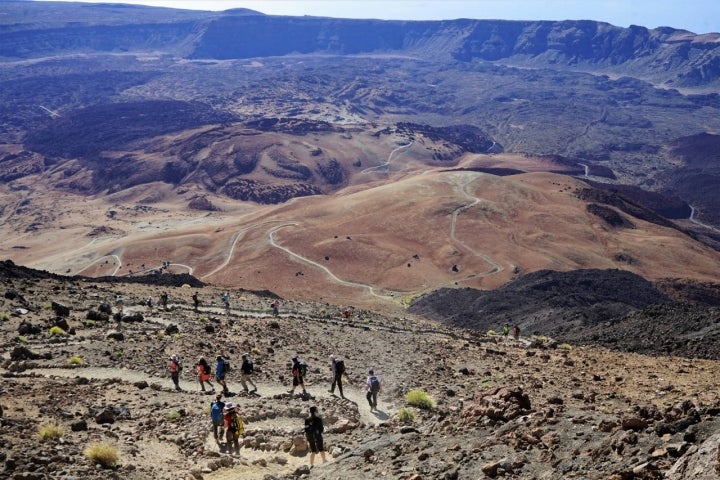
[[253, 390], [331, 391]]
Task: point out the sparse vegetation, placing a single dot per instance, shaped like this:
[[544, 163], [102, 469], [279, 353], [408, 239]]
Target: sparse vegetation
[[22, 339], [565, 346], [75, 360], [4, 317], [50, 432], [103, 454], [491, 332], [173, 415], [405, 415], [57, 331], [420, 399]]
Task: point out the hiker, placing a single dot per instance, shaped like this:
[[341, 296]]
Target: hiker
[[275, 305], [234, 428], [217, 416], [516, 332], [347, 313], [196, 301], [221, 370], [313, 433], [299, 369], [204, 374], [175, 368], [506, 329], [337, 367], [246, 369], [225, 297], [373, 385], [149, 303], [164, 300]]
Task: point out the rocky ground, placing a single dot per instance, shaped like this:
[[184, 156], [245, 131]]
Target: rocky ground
[[524, 409]]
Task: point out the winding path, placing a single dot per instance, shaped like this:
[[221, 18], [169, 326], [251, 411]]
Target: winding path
[[495, 267], [698, 222], [385, 165], [349, 283]]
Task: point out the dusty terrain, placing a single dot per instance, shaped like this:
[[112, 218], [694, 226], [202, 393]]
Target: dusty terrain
[[437, 229], [527, 408]]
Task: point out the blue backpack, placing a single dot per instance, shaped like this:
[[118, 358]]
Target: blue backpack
[[216, 411]]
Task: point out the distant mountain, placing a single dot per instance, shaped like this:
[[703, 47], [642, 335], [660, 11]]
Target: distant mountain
[[664, 55]]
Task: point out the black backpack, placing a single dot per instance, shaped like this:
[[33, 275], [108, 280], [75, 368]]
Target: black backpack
[[339, 367], [249, 366], [374, 384]]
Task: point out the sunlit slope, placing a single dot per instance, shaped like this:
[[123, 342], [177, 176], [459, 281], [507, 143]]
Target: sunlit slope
[[392, 241]]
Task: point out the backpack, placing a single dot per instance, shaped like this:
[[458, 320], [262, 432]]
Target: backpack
[[175, 367], [226, 367], [374, 384], [303, 369], [207, 369], [236, 424], [339, 367], [248, 366], [216, 411]]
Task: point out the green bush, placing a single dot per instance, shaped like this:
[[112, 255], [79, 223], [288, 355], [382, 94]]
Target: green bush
[[57, 331], [565, 346], [173, 415], [103, 454], [491, 332], [420, 399], [50, 432], [405, 415], [4, 317], [22, 339], [75, 360]]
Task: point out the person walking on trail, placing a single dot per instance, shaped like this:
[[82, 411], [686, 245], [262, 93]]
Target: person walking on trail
[[175, 367], [246, 369], [516, 332], [314, 435], [506, 329], [337, 367], [164, 300], [373, 385], [196, 301], [275, 305], [225, 297], [218, 418], [234, 428], [204, 374], [221, 369], [299, 370]]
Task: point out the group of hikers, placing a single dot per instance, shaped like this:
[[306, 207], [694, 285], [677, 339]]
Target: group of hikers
[[515, 330], [227, 423], [204, 373]]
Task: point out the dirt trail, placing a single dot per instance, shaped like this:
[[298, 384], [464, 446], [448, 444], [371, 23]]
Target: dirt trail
[[354, 397]]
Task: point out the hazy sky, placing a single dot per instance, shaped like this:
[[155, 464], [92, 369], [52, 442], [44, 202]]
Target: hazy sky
[[699, 16]]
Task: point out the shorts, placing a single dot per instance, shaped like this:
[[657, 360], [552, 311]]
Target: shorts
[[298, 381], [315, 442], [204, 377], [220, 377], [219, 423]]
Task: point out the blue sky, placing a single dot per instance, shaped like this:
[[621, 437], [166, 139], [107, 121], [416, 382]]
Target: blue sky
[[699, 16]]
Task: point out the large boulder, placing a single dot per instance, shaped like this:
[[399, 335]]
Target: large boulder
[[699, 462], [499, 404], [60, 309]]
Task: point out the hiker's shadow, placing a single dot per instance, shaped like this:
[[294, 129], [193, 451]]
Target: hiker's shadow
[[380, 415]]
